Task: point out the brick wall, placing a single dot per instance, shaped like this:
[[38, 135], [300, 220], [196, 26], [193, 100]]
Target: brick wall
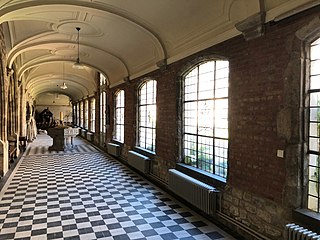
[[265, 82]]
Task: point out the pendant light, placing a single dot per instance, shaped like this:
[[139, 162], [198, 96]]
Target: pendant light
[[77, 64], [63, 86]]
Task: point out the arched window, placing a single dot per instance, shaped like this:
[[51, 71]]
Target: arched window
[[103, 99], [74, 115], [78, 113], [205, 117], [119, 116], [147, 110], [102, 109], [93, 115], [314, 128], [81, 114], [86, 114]]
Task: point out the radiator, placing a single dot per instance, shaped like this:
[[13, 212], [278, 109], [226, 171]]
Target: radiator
[[139, 161], [90, 136], [83, 133], [296, 232], [113, 149], [199, 194]]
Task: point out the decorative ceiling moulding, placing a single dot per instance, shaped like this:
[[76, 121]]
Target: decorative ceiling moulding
[[68, 52], [87, 29], [253, 26]]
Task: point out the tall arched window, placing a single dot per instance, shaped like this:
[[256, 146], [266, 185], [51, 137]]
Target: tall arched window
[[81, 115], [103, 97], [103, 109], [78, 114], [119, 116], [74, 115], [147, 110], [86, 114], [93, 115], [205, 117], [314, 128]]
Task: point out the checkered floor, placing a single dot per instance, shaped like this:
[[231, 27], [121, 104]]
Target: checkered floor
[[84, 194]]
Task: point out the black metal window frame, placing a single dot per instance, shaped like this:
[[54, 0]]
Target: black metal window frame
[[207, 152], [313, 140], [147, 132], [119, 108]]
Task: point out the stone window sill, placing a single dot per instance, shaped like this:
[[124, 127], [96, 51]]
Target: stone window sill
[[145, 152], [117, 142], [203, 176], [307, 219]]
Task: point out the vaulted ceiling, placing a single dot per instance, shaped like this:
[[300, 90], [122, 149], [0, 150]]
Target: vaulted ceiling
[[119, 38]]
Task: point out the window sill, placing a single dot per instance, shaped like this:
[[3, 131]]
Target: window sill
[[307, 219], [145, 152], [203, 176], [117, 142]]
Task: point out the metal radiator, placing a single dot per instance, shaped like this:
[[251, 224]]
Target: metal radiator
[[90, 136], [139, 161], [296, 232], [199, 194], [113, 149]]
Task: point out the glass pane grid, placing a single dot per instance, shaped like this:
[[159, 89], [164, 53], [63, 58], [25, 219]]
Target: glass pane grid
[[205, 117], [147, 115], [314, 129], [119, 116]]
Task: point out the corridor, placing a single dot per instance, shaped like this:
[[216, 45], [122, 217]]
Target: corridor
[[85, 194]]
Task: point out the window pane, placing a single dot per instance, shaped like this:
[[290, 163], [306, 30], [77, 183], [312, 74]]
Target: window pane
[[221, 118], [313, 130], [151, 116], [190, 150], [313, 144], [206, 85], [221, 156], [190, 117], [315, 52], [313, 203], [205, 118], [314, 99], [205, 153], [191, 87], [315, 114], [315, 67], [315, 82], [314, 160]]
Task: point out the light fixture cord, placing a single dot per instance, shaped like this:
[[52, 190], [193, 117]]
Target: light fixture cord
[[78, 29]]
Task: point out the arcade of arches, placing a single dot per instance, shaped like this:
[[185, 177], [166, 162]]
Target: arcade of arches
[[231, 101]]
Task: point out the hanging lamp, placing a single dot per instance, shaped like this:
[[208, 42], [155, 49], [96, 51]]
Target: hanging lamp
[[77, 64], [63, 86]]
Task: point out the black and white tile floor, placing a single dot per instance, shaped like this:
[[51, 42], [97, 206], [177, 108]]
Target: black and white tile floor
[[84, 194]]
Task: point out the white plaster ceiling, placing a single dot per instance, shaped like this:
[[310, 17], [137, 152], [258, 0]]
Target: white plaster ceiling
[[119, 38]]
